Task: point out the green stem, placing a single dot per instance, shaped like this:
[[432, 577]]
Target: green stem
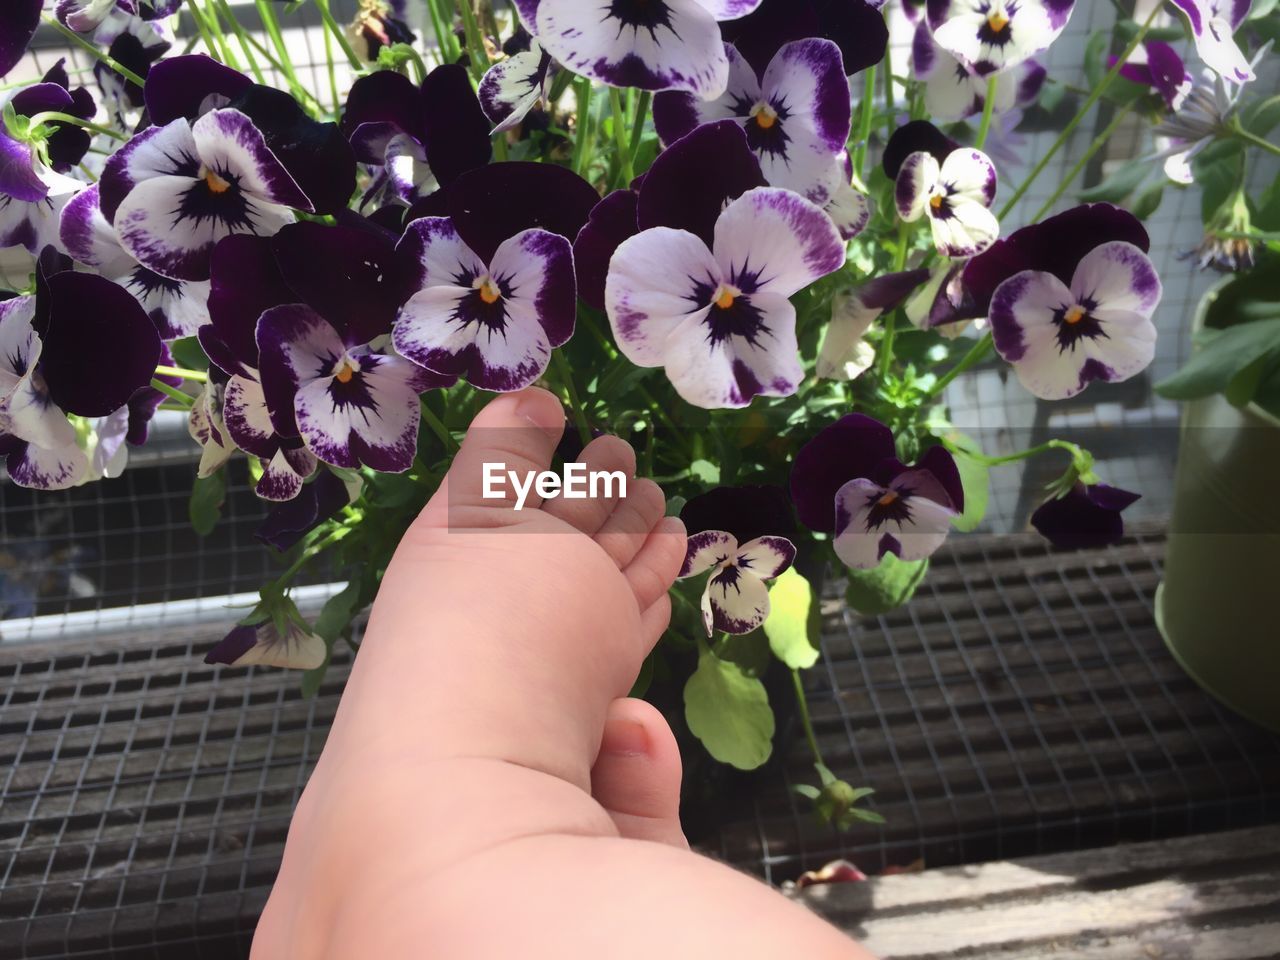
[[173, 393], [475, 43], [582, 134], [339, 37], [988, 108], [885, 356], [215, 26], [977, 353], [267, 14], [93, 51], [55, 116], [306, 556], [444, 39], [206, 32], [1257, 141], [1098, 143], [637, 127], [566, 377], [805, 720], [333, 73], [620, 136], [199, 376], [438, 428], [867, 112], [242, 37], [1093, 98], [1027, 454]]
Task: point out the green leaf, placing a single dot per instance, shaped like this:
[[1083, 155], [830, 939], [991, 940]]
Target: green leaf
[[792, 622], [975, 478], [338, 611], [1263, 116], [1218, 171], [675, 505], [808, 791], [887, 587], [1242, 387], [1211, 369], [1148, 201], [188, 354], [205, 505], [706, 471], [1095, 53], [865, 815], [1119, 185], [729, 712]]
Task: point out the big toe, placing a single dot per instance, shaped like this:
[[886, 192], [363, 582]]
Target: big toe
[[511, 441], [636, 776]]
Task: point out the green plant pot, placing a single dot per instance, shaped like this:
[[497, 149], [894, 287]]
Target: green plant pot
[[1216, 608]]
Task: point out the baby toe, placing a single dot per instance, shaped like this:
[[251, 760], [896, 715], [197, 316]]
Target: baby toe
[[636, 777]]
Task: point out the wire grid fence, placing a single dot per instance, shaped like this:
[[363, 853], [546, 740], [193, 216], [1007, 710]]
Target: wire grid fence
[[1023, 704]]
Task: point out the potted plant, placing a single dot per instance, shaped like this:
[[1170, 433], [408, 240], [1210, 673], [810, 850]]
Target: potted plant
[[771, 314]]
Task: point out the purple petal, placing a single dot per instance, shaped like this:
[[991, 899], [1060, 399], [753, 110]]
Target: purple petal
[[233, 646], [456, 131], [283, 475], [380, 99], [612, 221], [704, 550], [512, 87], [914, 137], [495, 202], [677, 114], [18, 178], [347, 275], [1168, 74], [100, 346], [851, 448], [747, 512], [690, 182], [41, 468], [889, 289], [89, 238], [1085, 518], [295, 346], [287, 523], [245, 282], [938, 461], [856, 27], [19, 20], [66, 144], [248, 422], [188, 86], [228, 141]]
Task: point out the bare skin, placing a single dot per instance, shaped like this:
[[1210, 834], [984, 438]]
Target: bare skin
[[487, 789]]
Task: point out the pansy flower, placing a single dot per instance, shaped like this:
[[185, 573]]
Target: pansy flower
[[287, 643], [848, 481], [66, 144], [172, 192], [1213, 26], [858, 28], [352, 405], [206, 427], [493, 322], [1158, 66], [287, 523], [955, 91], [512, 87], [649, 44], [718, 318], [844, 354], [19, 20], [738, 534], [86, 16], [1061, 336], [796, 115], [1084, 517], [994, 35], [178, 308], [955, 195], [418, 138], [686, 188], [32, 196], [136, 44]]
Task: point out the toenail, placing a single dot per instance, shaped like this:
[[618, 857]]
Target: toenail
[[625, 738], [543, 411]]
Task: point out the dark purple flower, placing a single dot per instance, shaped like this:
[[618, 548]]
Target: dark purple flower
[[19, 20], [66, 144], [1085, 517], [856, 27], [739, 534], [835, 474], [287, 523], [190, 86], [916, 136]]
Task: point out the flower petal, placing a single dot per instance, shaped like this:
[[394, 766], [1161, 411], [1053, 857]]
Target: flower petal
[[372, 420], [915, 137], [244, 410], [190, 85], [228, 142], [783, 240], [281, 480], [766, 557], [651, 288], [19, 20], [295, 345], [1213, 24], [288, 522], [848, 209], [513, 87], [18, 178], [677, 114], [431, 253], [1118, 276], [88, 237], [739, 601], [47, 468], [611, 222], [967, 230], [705, 550], [745, 512], [456, 131], [676, 46], [156, 152], [917, 179], [537, 269], [807, 76], [245, 281], [969, 174], [853, 447]]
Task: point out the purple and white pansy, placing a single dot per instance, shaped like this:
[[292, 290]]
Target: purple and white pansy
[[990, 36], [1060, 337], [284, 643], [514, 86], [1213, 26], [494, 324], [955, 91], [796, 115], [173, 192], [955, 195], [648, 44], [848, 481], [352, 405], [718, 319], [741, 535]]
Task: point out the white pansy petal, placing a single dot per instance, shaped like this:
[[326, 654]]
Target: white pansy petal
[[773, 241], [30, 415], [244, 411], [966, 230], [656, 280], [844, 354], [917, 179], [806, 80], [717, 362], [88, 237], [534, 269], [230, 145], [676, 114], [766, 557], [432, 332], [19, 343], [1118, 276], [705, 550], [1023, 316], [279, 480], [848, 209], [969, 174], [513, 357], [678, 49], [512, 87], [728, 9], [431, 246], [739, 600], [855, 543], [48, 468], [156, 152]]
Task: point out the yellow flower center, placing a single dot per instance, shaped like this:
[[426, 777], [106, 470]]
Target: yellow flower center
[[764, 115], [889, 499], [725, 296], [997, 20], [345, 371], [216, 183], [1074, 315], [489, 291], [936, 201]]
